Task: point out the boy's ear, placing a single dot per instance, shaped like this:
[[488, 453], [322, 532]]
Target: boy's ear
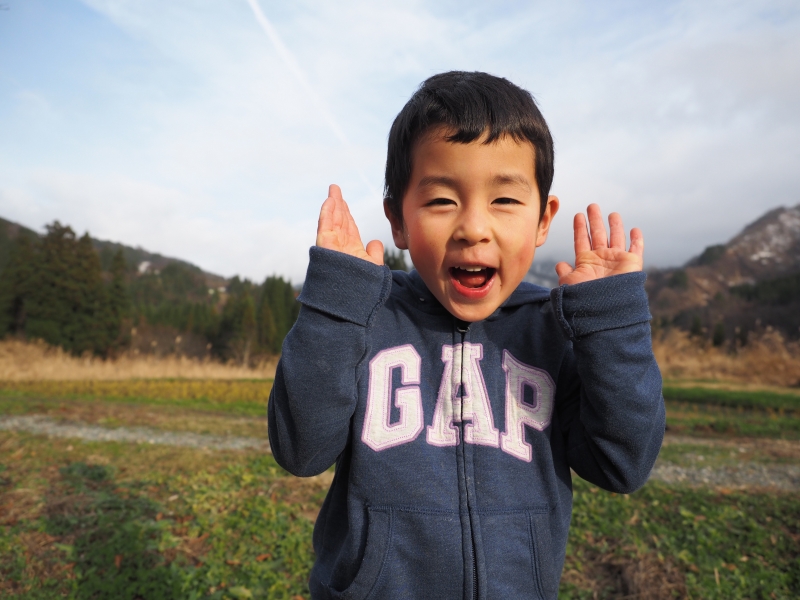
[[546, 219], [398, 231]]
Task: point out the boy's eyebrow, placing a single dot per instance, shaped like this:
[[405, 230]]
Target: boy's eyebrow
[[432, 180], [502, 179], [513, 179]]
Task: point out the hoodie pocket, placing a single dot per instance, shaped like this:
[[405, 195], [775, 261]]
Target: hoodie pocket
[[518, 553], [410, 553], [379, 531]]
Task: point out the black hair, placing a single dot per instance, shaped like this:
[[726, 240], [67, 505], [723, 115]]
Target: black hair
[[467, 104]]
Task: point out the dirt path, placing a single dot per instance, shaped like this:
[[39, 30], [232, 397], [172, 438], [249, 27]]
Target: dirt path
[[42, 425], [744, 473]]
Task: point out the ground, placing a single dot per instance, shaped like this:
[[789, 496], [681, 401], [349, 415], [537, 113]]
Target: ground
[[127, 518]]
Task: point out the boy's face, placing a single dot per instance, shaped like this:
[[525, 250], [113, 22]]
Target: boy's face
[[471, 220]]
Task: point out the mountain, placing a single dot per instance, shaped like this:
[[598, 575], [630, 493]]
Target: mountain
[[139, 259], [543, 272], [9, 231], [89, 295], [767, 248], [750, 282]]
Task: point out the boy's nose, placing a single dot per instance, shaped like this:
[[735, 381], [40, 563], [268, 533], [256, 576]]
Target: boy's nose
[[473, 227]]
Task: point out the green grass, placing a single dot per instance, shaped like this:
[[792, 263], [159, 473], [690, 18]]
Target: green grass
[[152, 523], [93, 520], [704, 455], [753, 399], [710, 419], [751, 540], [242, 408]]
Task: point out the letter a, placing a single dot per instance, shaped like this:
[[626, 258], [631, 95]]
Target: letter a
[[462, 397], [518, 412], [378, 433]]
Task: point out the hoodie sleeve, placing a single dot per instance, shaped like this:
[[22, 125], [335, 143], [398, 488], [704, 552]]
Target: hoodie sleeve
[[609, 401], [315, 392]]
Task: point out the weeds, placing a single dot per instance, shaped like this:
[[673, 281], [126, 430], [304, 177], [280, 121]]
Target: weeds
[[665, 542], [243, 397], [781, 403], [91, 520], [235, 530], [705, 420]]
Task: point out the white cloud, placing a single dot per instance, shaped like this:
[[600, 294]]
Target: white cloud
[[680, 115], [168, 221]]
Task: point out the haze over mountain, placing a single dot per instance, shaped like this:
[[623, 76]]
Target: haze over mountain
[[139, 258], [751, 281]]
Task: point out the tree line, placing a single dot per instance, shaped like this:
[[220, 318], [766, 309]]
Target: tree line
[[55, 288]]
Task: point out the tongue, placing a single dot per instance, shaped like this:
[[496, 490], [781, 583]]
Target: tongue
[[472, 279]]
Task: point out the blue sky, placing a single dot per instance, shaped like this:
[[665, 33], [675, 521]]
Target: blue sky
[[188, 129]]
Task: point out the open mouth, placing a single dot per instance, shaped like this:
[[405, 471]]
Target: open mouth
[[472, 280]]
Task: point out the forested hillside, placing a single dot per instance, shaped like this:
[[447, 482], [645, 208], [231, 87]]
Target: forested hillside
[[749, 284], [99, 297]]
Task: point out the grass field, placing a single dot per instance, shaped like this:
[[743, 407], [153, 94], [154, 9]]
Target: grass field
[[113, 520]]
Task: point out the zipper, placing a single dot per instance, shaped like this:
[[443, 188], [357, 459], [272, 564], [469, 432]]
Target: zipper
[[463, 327]]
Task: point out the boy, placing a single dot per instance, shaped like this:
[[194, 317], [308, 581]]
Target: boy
[[455, 399]]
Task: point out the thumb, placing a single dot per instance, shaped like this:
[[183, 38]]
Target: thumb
[[375, 252], [563, 269]]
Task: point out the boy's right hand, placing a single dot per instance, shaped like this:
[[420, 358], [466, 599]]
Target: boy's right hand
[[337, 230]]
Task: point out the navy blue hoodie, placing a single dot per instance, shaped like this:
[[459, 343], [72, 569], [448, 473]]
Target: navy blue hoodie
[[453, 441]]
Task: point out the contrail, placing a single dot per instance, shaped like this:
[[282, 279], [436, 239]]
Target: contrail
[[289, 60]]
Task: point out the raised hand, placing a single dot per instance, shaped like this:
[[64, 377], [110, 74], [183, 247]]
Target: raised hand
[[337, 230], [597, 256]]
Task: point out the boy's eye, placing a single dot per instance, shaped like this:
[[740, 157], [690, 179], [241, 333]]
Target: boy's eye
[[440, 202], [506, 201]]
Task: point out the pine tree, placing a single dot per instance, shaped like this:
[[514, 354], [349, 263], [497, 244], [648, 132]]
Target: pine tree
[[67, 302], [395, 260], [267, 338], [278, 294], [118, 306], [16, 284], [54, 293], [88, 330], [248, 329]]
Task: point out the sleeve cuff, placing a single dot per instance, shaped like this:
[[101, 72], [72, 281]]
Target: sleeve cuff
[[344, 286], [608, 303]]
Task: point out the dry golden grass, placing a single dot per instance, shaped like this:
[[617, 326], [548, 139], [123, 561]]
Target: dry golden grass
[[182, 391], [766, 360], [36, 361]]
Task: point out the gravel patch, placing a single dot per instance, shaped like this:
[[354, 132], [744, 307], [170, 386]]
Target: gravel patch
[[745, 475], [48, 426]]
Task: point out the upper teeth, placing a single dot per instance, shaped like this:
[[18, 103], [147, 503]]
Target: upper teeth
[[472, 269]]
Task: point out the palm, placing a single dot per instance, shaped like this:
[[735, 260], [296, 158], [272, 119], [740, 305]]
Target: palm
[[597, 255], [337, 230]]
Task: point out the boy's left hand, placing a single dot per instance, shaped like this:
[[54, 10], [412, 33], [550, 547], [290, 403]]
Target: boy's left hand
[[598, 256]]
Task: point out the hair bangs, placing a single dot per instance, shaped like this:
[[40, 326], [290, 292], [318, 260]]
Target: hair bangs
[[468, 105]]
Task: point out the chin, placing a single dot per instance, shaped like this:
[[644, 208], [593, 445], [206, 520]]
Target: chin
[[470, 314]]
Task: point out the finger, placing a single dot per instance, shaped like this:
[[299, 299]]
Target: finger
[[617, 229], [334, 191], [349, 225], [637, 241], [343, 220], [325, 215], [597, 228], [582, 241], [375, 251], [563, 269]]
